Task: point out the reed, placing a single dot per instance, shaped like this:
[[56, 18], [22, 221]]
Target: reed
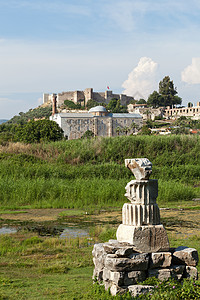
[[91, 172]]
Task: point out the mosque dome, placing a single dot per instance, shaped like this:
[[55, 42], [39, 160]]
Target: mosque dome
[[98, 109]]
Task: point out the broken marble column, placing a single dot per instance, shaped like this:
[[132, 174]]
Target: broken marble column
[[141, 218]]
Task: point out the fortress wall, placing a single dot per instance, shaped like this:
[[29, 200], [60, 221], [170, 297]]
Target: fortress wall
[[64, 96], [99, 97], [78, 95], [45, 98], [88, 94]]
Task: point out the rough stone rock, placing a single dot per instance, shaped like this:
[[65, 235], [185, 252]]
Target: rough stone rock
[[97, 274], [160, 260], [125, 251], [115, 277], [114, 290], [134, 277], [177, 271], [161, 274], [98, 250], [121, 249], [191, 272], [184, 255], [99, 262], [152, 238], [137, 290], [140, 167], [134, 263]]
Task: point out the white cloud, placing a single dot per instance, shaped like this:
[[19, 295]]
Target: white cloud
[[141, 80], [191, 74]]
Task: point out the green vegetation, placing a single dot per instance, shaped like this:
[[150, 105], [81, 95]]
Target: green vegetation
[[92, 103], [31, 132], [71, 105], [167, 95], [115, 106], [90, 173], [88, 134], [37, 113], [35, 267]]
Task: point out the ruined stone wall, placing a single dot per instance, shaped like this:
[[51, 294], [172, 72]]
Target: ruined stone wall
[[99, 97], [64, 96]]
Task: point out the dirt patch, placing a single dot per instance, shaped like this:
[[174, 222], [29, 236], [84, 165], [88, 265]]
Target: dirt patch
[[36, 215], [181, 222]]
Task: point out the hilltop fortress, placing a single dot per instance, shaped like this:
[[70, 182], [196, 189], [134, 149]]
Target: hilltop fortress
[[82, 97]]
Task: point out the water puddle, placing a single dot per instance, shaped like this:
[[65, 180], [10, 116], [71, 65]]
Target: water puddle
[[7, 230], [72, 232]]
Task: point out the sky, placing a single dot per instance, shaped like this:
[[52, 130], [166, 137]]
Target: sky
[[65, 45]]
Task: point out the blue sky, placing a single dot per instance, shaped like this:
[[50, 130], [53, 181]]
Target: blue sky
[[55, 46]]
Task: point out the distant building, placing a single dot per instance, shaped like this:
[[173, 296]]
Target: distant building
[[82, 97], [190, 111], [146, 112], [99, 121]]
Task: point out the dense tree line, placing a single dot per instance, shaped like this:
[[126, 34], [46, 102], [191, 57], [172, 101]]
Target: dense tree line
[[31, 132]]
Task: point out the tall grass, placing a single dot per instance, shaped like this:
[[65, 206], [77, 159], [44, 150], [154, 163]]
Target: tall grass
[[86, 173]]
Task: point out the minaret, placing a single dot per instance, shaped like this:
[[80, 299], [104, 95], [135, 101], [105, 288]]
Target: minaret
[[54, 104]]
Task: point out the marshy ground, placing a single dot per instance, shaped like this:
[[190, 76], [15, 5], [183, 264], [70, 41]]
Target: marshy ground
[[37, 264], [182, 221]]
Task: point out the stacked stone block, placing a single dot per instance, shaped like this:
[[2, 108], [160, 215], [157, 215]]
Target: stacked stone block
[[120, 267]]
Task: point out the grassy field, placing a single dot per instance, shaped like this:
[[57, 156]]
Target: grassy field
[[40, 267], [88, 176], [91, 173]]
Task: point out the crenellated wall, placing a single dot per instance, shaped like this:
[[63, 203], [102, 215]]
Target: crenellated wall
[[87, 94]]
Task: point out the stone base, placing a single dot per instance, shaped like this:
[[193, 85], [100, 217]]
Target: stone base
[[119, 267], [151, 238]]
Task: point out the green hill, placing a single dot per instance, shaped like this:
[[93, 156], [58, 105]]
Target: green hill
[[36, 113]]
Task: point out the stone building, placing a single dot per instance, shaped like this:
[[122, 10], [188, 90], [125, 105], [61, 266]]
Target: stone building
[[146, 112], [99, 121], [83, 97], [191, 111]]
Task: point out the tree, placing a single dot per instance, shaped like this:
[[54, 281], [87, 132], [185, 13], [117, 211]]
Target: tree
[[115, 106], [88, 134], [118, 130], [91, 103], [126, 129], [38, 131], [145, 130], [190, 104], [155, 100], [141, 101], [168, 92], [134, 126]]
